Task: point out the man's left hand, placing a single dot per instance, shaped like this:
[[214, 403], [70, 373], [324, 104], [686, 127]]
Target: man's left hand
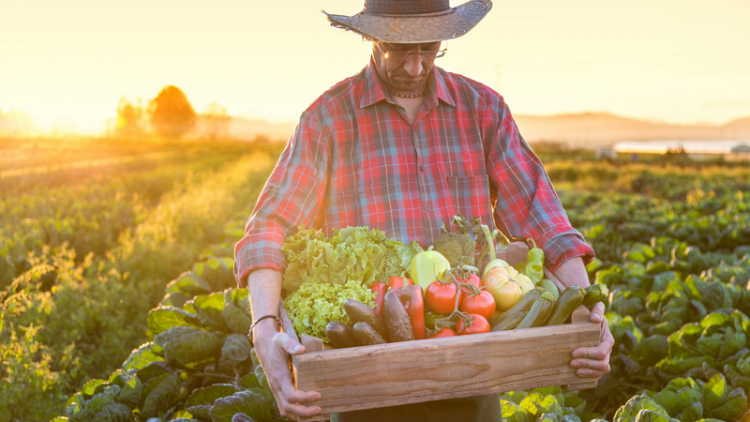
[[593, 362]]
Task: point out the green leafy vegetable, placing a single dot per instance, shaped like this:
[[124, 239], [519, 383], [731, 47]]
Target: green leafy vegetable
[[314, 305], [351, 254], [188, 347], [247, 402]]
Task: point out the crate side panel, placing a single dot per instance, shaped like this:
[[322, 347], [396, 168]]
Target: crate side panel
[[409, 372]]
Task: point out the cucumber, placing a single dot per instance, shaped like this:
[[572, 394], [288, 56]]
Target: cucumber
[[595, 293], [571, 298], [340, 335], [536, 316], [550, 286], [510, 322], [359, 312], [523, 305], [396, 319], [366, 335]]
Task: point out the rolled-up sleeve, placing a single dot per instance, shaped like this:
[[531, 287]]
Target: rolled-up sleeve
[[292, 196], [527, 205]]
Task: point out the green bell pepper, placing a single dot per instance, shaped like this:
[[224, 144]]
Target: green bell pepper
[[534, 263]]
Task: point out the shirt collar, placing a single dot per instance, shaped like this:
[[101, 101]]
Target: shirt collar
[[373, 91]]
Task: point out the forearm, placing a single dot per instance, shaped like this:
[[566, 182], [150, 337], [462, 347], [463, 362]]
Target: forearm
[[573, 272], [264, 287]]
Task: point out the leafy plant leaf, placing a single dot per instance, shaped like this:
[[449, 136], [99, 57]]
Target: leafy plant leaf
[[187, 347], [247, 402], [163, 318], [114, 413], [160, 394], [234, 352], [140, 358], [208, 395], [236, 319], [190, 284], [208, 308]]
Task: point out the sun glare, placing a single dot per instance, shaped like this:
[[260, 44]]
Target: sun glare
[[67, 66]]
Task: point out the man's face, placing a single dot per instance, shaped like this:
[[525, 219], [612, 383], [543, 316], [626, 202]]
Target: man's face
[[402, 71]]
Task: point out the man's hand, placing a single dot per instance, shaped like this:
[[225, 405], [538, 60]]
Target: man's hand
[[590, 362], [593, 362], [273, 349]]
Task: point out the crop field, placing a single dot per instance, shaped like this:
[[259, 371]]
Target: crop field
[[118, 301]]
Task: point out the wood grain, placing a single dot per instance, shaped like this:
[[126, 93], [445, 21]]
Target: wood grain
[[434, 369], [312, 344]]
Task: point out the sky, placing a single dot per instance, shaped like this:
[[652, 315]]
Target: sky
[[69, 63]]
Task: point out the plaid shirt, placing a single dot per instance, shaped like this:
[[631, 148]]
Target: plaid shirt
[[356, 160]]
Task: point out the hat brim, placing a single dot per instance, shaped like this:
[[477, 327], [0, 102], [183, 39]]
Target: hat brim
[[415, 28]]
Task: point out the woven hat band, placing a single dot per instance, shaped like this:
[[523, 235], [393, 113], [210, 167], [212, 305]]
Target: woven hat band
[[405, 7]]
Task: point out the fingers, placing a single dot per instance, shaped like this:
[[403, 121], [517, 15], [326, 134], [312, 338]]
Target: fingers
[[597, 313], [591, 373], [590, 367], [595, 353], [288, 344], [594, 361], [293, 411], [299, 396], [291, 402]]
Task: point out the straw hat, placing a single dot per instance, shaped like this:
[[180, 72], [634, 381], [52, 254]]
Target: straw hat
[[413, 21]]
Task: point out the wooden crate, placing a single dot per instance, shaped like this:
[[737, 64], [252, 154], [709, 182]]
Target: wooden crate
[[434, 369]]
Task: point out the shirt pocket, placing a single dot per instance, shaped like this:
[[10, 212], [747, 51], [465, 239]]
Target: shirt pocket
[[470, 197]]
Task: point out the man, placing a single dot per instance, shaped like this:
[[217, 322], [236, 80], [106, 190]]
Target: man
[[403, 146]]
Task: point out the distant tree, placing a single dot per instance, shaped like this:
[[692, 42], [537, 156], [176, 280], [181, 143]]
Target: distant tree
[[171, 113], [130, 119], [216, 122]]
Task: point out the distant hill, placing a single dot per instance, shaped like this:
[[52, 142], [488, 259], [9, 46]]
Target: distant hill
[[602, 129], [588, 130]]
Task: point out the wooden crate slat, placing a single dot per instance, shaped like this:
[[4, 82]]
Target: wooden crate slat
[[410, 372]]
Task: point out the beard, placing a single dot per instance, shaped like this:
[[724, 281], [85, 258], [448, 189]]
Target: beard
[[401, 81]]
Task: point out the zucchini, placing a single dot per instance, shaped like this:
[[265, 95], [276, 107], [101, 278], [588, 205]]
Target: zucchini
[[510, 322], [595, 293], [359, 312], [523, 305], [571, 298], [340, 335], [538, 313], [550, 286], [396, 319], [366, 335]]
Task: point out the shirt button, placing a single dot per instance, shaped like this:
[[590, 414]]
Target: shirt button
[[427, 208], [421, 168]]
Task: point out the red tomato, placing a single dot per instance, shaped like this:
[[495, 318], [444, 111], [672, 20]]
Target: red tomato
[[482, 304], [444, 332], [477, 324], [441, 298], [472, 279]]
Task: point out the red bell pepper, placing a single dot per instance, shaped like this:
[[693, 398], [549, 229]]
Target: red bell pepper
[[380, 289], [413, 300], [399, 281]]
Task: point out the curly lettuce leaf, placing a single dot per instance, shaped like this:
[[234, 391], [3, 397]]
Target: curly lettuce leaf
[[314, 305], [351, 254]]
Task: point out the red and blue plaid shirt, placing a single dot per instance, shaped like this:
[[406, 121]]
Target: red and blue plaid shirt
[[356, 160]]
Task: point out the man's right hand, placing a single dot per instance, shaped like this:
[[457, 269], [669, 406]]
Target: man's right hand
[[273, 349]]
